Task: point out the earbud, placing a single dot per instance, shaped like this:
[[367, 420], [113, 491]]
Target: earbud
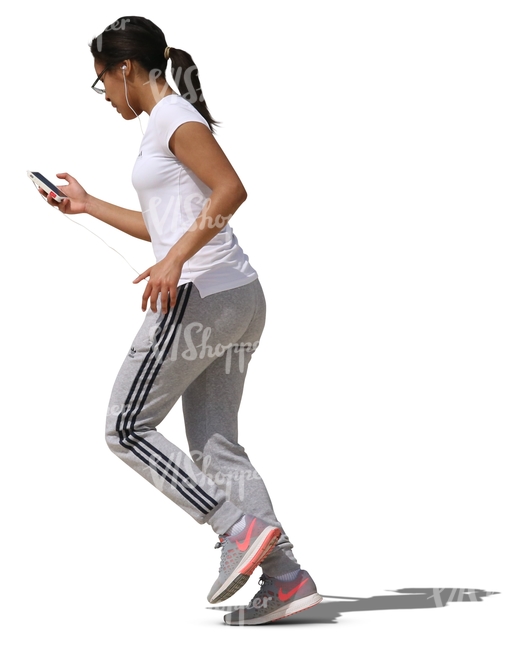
[[123, 68]]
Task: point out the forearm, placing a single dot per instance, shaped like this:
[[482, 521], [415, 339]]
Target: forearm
[[213, 218], [128, 221]]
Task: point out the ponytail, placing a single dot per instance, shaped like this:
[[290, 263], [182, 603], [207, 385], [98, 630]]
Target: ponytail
[[134, 37], [185, 76]]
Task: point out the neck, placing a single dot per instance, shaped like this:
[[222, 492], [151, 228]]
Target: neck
[[153, 92]]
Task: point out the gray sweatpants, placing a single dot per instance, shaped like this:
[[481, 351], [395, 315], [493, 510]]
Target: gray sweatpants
[[200, 351]]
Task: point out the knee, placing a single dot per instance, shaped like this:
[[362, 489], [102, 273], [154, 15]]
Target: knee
[[112, 438], [113, 431]]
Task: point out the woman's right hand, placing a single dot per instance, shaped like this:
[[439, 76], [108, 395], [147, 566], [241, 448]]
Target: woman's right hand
[[76, 200]]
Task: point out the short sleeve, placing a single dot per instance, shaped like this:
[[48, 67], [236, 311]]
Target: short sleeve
[[171, 114]]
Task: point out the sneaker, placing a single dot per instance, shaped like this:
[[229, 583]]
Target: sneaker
[[241, 554], [277, 599]]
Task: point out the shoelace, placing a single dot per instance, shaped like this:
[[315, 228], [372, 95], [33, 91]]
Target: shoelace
[[263, 581], [219, 544]]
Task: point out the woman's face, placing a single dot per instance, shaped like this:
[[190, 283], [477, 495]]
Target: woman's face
[[116, 88]]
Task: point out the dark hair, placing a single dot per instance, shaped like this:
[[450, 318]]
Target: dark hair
[[139, 39]]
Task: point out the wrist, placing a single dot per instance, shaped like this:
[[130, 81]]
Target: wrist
[[91, 205], [175, 257]]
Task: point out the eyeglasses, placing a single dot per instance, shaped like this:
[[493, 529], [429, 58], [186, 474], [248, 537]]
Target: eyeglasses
[[101, 91]]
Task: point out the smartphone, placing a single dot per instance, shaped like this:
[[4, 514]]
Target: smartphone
[[53, 191]]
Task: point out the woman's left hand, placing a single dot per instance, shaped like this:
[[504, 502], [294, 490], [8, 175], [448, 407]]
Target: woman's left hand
[[163, 279]]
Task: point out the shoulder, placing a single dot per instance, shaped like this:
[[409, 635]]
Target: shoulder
[[174, 110]]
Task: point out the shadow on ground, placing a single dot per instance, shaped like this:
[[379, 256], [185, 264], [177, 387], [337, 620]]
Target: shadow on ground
[[331, 607]]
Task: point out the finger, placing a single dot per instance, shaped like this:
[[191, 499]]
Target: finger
[[43, 194], [172, 294], [144, 299], [153, 299], [63, 205], [164, 302], [65, 177], [142, 276]]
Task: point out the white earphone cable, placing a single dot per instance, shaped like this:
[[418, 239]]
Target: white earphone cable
[[88, 229], [81, 224], [102, 240], [127, 100]]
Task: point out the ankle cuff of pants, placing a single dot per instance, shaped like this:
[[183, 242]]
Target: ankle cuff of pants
[[224, 517]]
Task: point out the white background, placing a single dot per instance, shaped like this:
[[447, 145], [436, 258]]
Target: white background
[[376, 141]]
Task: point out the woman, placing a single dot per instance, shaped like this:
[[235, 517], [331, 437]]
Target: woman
[[206, 316]]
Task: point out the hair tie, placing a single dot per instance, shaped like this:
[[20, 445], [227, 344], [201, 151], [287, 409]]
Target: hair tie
[[167, 52]]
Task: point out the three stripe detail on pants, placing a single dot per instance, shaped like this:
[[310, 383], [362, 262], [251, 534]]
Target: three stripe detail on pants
[[138, 393]]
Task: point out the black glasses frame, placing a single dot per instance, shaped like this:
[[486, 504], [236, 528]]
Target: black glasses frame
[[101, 91]]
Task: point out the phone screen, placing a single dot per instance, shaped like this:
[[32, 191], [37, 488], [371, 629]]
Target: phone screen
[[48, 184]]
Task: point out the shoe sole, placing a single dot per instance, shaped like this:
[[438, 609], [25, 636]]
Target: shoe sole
[[287, 610], [260, 550]]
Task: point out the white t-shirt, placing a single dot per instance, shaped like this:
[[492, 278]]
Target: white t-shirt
[[171, 198]]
